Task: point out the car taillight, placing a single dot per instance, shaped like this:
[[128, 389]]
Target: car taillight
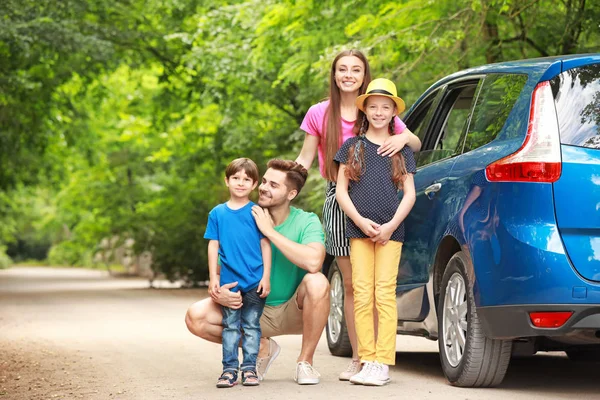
[[550, 319], [538, 159]]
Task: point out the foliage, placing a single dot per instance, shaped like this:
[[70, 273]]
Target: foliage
[[5, 260], [118, 118]]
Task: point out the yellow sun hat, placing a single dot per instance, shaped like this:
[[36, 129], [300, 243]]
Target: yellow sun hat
[[381, 87]]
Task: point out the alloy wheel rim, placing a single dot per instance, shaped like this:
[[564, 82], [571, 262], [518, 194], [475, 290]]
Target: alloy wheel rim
[[455, 319], [336, 307]]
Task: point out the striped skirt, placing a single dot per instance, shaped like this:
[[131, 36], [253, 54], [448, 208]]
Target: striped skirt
[[334, 222]]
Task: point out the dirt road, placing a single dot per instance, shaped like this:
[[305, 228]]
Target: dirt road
[[79, 334]]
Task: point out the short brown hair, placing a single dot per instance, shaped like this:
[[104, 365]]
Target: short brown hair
[[245, 164], [296, 174]]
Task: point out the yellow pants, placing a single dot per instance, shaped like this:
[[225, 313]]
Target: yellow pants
[[374, 275]]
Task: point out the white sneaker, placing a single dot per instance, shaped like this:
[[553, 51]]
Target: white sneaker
[[379, 375], [306, 374], [353, 369], [359, 378]]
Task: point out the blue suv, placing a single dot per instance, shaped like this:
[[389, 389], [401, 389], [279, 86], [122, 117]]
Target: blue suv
[[502, 251]]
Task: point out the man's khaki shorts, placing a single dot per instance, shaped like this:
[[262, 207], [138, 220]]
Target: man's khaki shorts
[[284, 319]]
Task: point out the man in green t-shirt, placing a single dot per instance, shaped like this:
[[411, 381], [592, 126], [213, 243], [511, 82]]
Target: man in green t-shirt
[[298, 251]]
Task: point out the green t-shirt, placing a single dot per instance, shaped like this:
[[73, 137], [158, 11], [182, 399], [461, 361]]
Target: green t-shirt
[[301, 227]]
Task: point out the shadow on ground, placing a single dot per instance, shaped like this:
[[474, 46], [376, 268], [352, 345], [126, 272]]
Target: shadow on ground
[[553, 374]]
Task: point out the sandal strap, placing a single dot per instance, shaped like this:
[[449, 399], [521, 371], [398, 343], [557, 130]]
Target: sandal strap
[[249, 374], [228, 376]]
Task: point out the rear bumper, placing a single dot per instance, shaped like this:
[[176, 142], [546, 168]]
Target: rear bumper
[[510, 322]]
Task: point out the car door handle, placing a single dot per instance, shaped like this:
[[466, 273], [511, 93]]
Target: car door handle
[[433, 189]]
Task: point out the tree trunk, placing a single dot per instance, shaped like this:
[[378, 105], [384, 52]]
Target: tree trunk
[[574, 24], [493, 51]]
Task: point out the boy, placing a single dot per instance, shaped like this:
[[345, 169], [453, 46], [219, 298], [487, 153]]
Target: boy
[[245, 257]]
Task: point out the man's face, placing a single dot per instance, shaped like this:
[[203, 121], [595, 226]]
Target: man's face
[[273, 191]]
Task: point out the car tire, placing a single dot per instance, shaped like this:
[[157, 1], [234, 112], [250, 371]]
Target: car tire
[[469, 358], [584, 355], [337, 332]]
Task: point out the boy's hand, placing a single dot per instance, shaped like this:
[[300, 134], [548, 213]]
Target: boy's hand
[[385, 232], [214, 288], [264, 287], [369, 228]]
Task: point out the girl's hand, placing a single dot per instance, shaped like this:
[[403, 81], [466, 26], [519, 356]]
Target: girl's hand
[[385, 232], [393, 144], [264, 287], [368, 227]]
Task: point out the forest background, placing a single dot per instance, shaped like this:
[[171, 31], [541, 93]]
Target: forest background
[[117, 117]]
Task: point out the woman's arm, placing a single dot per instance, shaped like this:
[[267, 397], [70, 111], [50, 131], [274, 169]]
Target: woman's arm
[[309, 149], [414, 143], [395, 143]]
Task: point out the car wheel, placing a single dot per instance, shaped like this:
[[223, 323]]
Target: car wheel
[[469, 358], [584, 355], [337, 333]]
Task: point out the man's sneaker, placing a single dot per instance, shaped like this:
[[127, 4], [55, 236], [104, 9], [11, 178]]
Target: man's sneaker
[[378, 376], [359, 378], [306, 374], [353, 369], [263, 364]]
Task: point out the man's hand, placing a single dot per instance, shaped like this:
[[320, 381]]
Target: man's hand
[[226, 297], [263, 220], [264, 287]]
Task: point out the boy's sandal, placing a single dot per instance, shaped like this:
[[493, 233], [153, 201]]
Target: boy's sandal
[[227, 379], [250, 378]]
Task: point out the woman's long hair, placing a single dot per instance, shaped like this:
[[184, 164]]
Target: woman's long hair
[[332, 126], [355, 165]]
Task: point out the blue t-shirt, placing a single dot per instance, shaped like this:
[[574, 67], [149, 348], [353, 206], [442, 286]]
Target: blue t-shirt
[[375, 195], [239, 245]]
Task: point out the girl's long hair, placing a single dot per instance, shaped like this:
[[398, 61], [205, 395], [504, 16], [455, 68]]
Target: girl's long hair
[[355, 165], [332, 126]]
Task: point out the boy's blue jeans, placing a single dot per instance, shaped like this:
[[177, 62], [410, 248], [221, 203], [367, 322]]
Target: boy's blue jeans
[[246, 318]]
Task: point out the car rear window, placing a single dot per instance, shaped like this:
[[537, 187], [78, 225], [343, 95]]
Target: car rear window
[[498, 95], [577, 98]]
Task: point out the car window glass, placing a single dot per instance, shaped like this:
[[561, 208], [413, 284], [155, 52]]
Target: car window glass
[[498, 95], [577, 99], [452, 121], [420, 118]]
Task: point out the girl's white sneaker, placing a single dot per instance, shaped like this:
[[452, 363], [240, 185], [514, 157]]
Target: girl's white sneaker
[[359, 378], [379, 375]]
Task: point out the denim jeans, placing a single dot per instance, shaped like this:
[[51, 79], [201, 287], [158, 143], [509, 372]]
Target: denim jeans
[[246, 319]]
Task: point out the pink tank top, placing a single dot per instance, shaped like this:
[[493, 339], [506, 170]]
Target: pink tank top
[[313, 125]]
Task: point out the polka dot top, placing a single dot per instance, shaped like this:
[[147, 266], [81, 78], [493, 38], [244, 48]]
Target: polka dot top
[[375, 196]]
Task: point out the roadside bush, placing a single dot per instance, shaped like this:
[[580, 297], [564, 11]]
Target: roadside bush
[[5, 260], [68, 253]]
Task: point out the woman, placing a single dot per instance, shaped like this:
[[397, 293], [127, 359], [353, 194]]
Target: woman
[[327, 125]]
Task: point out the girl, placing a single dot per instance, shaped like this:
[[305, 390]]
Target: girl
[[367, 191], [327, 125]]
